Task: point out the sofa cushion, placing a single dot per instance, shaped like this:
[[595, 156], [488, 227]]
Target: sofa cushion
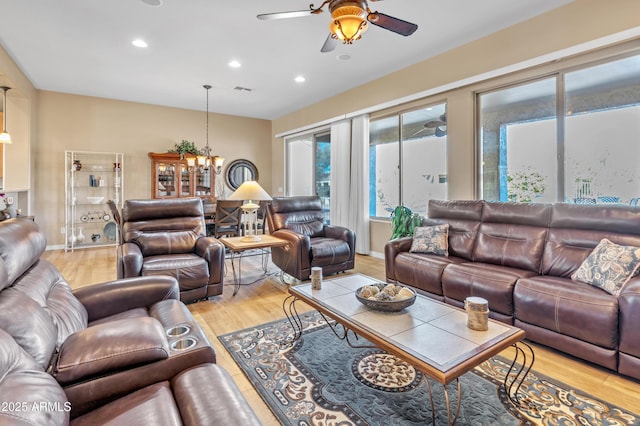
[[423, 271], [189, 269], [152, 405], [609, 266], [327, 251], [568, 307], [431, 239], [463, 217], [492, 282]]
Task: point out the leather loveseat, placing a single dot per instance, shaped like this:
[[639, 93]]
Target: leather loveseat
[[101, 344], [520, 257]]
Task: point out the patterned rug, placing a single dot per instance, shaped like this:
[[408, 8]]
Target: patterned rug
[[321, 380]]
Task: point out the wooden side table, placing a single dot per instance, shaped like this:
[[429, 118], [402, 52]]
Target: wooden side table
[[239, 245]]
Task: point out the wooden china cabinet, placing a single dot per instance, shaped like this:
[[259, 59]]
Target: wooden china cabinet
[[171, 177]]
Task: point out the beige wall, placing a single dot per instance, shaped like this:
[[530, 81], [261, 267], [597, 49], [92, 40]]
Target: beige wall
[[582, 21], [81, 123]]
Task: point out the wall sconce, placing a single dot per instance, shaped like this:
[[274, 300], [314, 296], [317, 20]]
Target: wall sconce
[[5, 137]]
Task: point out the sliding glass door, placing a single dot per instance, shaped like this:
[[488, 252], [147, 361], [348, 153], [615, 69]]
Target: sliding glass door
[[408, 160], [308, 162], [572, 137]]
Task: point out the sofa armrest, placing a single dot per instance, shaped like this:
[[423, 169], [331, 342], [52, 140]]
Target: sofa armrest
[[391, 250], [110, 347], [342, 233], [629, 305], [193, 389], [129, 260], [112, 297], [294, 256], [212, 250]]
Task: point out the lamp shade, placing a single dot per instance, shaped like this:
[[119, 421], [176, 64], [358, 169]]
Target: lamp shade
[[250, 190]]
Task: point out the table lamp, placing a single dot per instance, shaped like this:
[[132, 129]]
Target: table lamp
[[249, 192]]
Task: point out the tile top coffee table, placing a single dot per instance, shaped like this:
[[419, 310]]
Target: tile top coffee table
[[239, 245], [430, 335]]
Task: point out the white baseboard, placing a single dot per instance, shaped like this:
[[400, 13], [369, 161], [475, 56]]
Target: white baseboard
[[376, 254]]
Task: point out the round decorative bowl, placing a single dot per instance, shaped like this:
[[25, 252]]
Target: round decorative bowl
[[390, 305]]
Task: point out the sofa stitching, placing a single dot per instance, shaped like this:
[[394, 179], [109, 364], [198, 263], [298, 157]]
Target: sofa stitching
[[589, 302], [145, 349]]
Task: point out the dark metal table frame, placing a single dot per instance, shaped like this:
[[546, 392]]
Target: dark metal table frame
[[514, 378]]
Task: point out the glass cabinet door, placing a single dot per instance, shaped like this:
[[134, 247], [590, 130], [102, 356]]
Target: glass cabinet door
[[203, 182], [166, 180], [185, 181]]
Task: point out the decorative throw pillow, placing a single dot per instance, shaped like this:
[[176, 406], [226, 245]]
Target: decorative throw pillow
[[431, 239], [609, 266]]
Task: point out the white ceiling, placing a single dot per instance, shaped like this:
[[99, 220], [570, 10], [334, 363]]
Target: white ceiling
[[84, 47]]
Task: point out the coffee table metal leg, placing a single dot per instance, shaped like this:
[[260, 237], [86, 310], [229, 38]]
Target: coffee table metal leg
[[237, 276], [344, 334], [446, 401], [289, 308], [518, 371]]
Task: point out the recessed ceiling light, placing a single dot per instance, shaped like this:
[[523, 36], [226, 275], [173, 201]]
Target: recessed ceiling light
[[300, 79], [343, 57], [153, 2], [235, 64], [139, 43]]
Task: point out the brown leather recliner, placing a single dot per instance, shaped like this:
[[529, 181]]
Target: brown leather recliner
[[168, 237], [300, 221]]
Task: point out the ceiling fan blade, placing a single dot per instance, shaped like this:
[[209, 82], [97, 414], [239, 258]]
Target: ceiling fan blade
[[434, 123], [284, 15], [390, 23], [329, 44]]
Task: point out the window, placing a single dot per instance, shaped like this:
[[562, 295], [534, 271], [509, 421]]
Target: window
[[572, 137], [408, 160], [308, 159]]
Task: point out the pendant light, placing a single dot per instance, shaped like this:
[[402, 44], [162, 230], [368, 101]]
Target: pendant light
[[204, 159], [5, 137]]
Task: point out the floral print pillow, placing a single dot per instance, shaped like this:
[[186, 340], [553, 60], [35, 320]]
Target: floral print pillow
[[609, 266], [431, 239]]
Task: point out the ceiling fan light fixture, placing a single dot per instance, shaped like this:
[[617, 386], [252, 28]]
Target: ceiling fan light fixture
[[349, 22]]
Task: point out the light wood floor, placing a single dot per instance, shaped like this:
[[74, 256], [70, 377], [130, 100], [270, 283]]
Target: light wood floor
[[262, 302]]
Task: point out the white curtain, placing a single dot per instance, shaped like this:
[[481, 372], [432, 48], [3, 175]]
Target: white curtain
[[350, 177], [340, 173], [359, 193]]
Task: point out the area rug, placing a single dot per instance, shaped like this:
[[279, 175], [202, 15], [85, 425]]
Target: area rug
[[321, 380]]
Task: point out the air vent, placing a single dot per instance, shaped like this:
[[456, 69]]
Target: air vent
[[242, 89]]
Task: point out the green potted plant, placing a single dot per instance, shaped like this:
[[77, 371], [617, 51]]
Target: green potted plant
[[186, 147], [403, 222]]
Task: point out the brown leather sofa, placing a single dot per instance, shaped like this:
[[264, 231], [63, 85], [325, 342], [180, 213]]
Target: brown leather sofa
[[168, 237], [300, 221], [520, 258], [98, 343], [202, 395]]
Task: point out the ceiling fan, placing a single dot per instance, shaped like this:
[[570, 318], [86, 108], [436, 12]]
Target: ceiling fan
[[350, 19], [438, 125]]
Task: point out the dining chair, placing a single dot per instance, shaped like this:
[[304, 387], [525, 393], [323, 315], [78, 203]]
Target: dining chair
[[608, 199], [634, 201], [227, 220]]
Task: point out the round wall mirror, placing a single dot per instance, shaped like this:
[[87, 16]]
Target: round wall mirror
[[240, 170]]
